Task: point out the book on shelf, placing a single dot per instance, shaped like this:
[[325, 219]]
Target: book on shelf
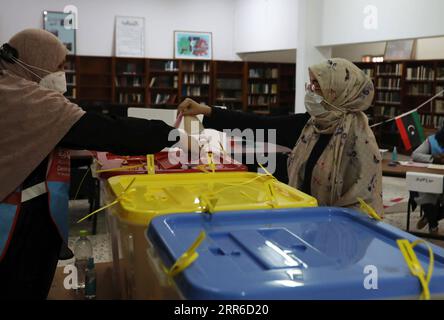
[[203, 79], [164, 82], [420, 73], [194, 91], [171, 66], [128, 68], [440, 74], [420, 89], [369, 72], [385, 111], [439, 106], [389, 83], [389, 69], [131, 98], [440, 88], [165, 98], [135, 82], [263, 88], [388, 97], [196, 67], [432, 121], [262, 100], [269, 73]]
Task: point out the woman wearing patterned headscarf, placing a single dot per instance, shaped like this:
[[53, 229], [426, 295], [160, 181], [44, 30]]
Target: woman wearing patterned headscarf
[[335, 156]]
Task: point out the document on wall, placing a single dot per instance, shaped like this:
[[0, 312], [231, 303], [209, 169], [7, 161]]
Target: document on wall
[[130, 36]]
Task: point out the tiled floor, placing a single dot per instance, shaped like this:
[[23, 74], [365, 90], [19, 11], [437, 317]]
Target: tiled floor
[[393, 188]]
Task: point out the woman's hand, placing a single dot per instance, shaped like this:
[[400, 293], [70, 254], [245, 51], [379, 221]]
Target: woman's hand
[[189, 107]]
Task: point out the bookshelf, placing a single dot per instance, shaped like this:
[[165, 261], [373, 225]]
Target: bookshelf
[[163, 83], [263, 79], [195, 81], [400, 87], [163, 80], [130, 81], [229, 85], [287, 88], [94, 76], [71, 78]]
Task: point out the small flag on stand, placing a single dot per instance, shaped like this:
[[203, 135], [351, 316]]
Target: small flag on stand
[[411, 130]]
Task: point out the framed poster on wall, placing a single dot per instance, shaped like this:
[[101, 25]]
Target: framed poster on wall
[[399, 50], [193, 45], [130, 36], [61, 25]]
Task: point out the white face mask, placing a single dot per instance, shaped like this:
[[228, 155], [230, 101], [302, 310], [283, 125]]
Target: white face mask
[[55, 81], [313, 104]]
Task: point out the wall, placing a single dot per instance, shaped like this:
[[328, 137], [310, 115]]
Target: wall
[[265, 25], [432, 48], [343, 20], [96, 22], [284, 56]]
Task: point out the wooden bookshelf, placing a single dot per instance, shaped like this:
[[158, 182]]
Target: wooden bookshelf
[[263, 83], [163, 83], [400, 87], [229, 89]]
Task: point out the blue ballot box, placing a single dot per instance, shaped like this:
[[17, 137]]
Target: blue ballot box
[[313, 253]]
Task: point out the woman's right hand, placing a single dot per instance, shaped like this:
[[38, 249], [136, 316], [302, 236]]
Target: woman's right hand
[[189, 107]]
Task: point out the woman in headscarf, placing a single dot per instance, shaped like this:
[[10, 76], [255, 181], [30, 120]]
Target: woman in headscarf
[[36, 122], [335, 156]]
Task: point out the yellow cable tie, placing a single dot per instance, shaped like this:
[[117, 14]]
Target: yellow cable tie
[[150, 166], [271, 193], [187, 258], [369, 210], [118, 199], [415, 266], [265, 170], [211, 164], [208, 203]]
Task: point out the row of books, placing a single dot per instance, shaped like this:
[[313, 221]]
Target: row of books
[[431, 121], [389, 83], [440, 74], [164, 82], [129, 82], [229, 84], [71, 79], [229, 95], [420, 73], [165, 99], [262, 100], [420, 89], [196, 67], [196, 79], [385, 111], [269, 73], [389, 69], [369, 72], [194, 91], [388, 97], [130, 68], [439, 106], [125, 98], [263, 88], [164, 66], [440, 89]]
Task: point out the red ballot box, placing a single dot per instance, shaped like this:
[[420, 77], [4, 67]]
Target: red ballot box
[[110, 165]]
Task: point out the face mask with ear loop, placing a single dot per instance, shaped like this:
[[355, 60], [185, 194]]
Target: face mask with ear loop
[[314, 102], [53, 80]]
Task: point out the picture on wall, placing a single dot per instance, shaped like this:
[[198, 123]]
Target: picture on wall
[[399, 50], [193, 45], [61, 25]]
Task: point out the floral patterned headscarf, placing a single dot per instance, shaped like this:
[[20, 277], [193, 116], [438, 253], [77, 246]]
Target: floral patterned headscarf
[[350, 166]]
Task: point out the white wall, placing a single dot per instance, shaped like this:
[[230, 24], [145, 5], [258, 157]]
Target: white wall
[[343, 20], [265, 25], [432, 48], [96, 22]]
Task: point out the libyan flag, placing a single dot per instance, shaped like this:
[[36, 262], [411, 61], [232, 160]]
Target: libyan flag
[[411, 131]]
